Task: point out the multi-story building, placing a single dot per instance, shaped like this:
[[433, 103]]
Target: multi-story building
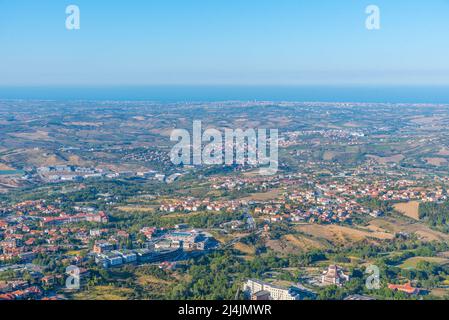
[[102, 247], [259, 290]]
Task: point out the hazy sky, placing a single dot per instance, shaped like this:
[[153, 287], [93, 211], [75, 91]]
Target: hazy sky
[[283, 42]]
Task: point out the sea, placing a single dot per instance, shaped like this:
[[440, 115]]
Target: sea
[[180, 93]]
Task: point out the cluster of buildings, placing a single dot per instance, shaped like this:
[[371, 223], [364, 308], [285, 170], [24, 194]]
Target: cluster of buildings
[[164, 245], [39, 286], [335, 275], [325, 214], [254, 289], [308, 207], [294, 138], [61, 173], [192, 205], [332, 199], [34, 229], [415, 193], [116, 258], [188, 240], [99, 217], [31, 228], [146, 155], [64, 173], [386, 190], [19, 290], [246, 182], [335, 202]]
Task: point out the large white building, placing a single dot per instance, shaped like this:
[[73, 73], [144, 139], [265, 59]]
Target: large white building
[[252, 287]]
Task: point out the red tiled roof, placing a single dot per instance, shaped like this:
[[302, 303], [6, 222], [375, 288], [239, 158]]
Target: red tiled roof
[[7, 296], [407, 288]]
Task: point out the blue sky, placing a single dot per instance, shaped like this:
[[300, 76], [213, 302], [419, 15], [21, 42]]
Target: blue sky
[[238, 42]]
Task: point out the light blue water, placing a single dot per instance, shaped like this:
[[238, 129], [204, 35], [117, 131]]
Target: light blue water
[[395, 94]]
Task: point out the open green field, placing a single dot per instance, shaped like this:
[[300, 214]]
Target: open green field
[[411, 263]]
